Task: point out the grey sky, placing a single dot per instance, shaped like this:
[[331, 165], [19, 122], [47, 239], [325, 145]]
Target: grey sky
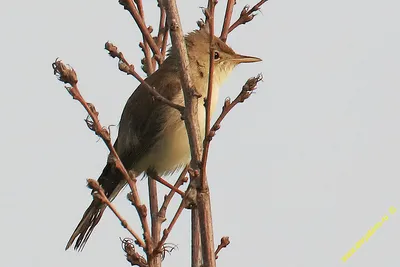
[[298, 174]]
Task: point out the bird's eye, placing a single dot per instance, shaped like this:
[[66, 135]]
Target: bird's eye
[[216, 55]]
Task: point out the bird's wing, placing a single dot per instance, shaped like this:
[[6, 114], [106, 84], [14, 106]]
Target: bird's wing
[[143, 118]]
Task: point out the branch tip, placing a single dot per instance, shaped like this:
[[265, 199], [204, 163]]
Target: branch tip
[[247, 14], [251, 83], [112, 49], [223, 244], [64, 73]]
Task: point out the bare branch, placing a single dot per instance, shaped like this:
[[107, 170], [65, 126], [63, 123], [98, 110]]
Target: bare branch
[[164, 44], [166, 232], [150, 62], [128, 5], [246, 15], [153, 175], [203, 194], [161, 26], [129, 69], [167, 199], [247, 90], [227, 19], [210, 18], [162, 36], [155, 222], [196, 239], [140, 8]]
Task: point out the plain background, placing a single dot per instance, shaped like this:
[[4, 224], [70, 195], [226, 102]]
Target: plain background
[[298, 174]]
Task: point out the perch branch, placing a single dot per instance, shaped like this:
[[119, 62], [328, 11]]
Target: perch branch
[[190, 94], [196, 239], [209, 12]]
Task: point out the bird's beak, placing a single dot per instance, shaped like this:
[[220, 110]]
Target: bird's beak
[[245, 59]]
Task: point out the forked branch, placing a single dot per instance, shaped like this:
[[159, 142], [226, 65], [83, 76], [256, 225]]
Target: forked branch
[[246, 15], [130, 6]]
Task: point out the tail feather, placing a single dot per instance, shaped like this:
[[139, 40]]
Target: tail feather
[[89, 220], [112, 182], [93, 213]]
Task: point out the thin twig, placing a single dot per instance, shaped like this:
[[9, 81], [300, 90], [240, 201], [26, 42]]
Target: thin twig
[[153, 199], [246, 15], [129, 69], [150, 62], [247, 90], [161, 26], [140, 8], [152, 185], [210, 17], [159, 179], [224, 243], [167, 231], [68, 75], [148, 66], [164, 44], [99, 193], [128, 4], [227, 19], [196, 239], [154, 260], [167, 199], [162, 35]]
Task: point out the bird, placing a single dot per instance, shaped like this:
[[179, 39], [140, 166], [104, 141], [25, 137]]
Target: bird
[[151, 134]]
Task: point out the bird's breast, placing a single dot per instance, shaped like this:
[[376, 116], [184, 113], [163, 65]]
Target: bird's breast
[[172, 149]]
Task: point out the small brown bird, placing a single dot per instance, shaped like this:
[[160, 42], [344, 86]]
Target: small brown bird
[[151, 134]]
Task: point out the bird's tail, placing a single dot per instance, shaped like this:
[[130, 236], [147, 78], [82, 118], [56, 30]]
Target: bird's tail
[[89, 220], [112, 184]]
